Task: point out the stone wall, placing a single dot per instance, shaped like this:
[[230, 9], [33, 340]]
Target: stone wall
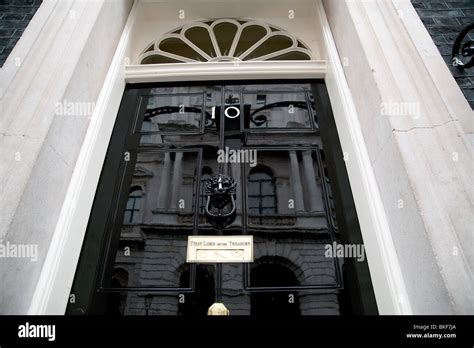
[[14, 17], [444, 20]]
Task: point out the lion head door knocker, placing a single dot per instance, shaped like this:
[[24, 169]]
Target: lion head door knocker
[[463, 50], [220, 203]]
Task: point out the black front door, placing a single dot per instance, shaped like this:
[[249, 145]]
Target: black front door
[[279, 144]]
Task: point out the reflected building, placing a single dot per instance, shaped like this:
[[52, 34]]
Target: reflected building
[[283, 200]]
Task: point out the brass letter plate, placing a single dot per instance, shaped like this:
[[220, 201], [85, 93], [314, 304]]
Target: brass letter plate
[[219, 249]]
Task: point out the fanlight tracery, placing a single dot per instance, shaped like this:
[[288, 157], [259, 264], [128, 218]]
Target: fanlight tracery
[[225, 40]]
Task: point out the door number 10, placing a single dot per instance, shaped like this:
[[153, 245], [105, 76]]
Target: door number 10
[[236, 112]]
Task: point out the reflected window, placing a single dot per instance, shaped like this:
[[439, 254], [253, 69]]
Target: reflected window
[[261, 100], [275, 109], [133, 206], [173, 113], [262, 197], [147, 126]]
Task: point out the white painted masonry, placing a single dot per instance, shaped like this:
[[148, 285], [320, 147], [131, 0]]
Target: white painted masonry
[[66, 57], [425, 162]]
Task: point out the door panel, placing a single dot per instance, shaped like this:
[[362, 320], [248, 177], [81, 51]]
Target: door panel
[[167, 142], [154, 203], [287, 213]]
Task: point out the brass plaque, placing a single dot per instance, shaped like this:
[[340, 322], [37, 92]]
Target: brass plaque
[[219, 249]]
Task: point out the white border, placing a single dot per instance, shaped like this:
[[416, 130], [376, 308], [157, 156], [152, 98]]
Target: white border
[[54, 285]]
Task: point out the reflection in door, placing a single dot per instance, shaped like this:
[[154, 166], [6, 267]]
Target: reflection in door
[[284, 201], [272, 271]]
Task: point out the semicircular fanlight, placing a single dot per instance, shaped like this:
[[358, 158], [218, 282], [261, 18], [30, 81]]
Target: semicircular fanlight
[[250, 35], [275, 43], [176, 46], [201, 37], [225, 35], [224, 40]]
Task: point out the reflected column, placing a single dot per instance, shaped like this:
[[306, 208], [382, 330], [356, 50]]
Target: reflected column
[[177, 179], [296, 182], [315, 195], [165, 179], [235, 167]]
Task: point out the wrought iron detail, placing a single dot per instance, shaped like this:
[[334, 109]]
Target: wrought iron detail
[[220, 203], [463, 53], [259, 119]]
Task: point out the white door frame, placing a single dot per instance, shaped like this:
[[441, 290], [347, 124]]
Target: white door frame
[[55, 282]]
